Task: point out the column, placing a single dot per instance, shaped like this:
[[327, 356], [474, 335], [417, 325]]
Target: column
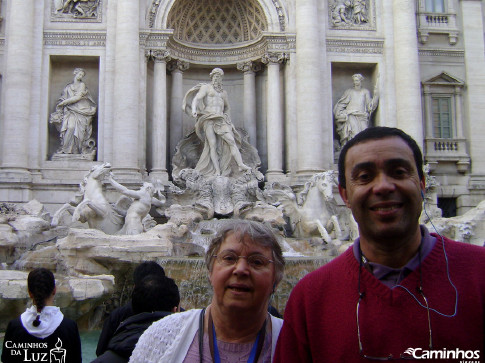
[[473, 33], [250, 68], [159, 119], [310, 61], [274, 117], [177, 68], [407, 74], [458, 113], [126, 92], [428, 112], [17, 86]]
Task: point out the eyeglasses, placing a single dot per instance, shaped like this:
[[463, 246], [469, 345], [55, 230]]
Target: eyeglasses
[[256, 262]]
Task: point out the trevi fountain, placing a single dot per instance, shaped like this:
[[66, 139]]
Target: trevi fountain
[[94, 241]]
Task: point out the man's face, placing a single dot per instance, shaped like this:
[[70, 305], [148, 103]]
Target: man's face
[[383, 188], [357, 81]]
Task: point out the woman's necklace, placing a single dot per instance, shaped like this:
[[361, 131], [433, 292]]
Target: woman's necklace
[[255, 351]]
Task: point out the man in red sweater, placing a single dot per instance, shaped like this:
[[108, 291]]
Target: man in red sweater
[[400, 292]]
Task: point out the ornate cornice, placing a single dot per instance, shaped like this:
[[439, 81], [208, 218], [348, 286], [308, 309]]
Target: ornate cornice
[[452, 53], [151, 39], [194, 53], [355, 46], [73, 39]]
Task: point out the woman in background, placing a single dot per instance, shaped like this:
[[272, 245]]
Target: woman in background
[[42, 333]]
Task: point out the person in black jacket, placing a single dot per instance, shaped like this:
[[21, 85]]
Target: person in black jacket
[[153, 298], [118, 315], [41, 333]]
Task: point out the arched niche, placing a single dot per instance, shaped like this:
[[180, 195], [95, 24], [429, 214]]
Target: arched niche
[[273, 10]]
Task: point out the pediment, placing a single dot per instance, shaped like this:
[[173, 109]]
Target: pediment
[[444, 79]]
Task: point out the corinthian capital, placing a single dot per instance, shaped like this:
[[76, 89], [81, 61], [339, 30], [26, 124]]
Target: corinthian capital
[[249, 66], [178, 65], [275, 57], [161, 56]]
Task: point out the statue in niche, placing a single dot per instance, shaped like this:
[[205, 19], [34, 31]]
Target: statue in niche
[[208, 104], [77, 8], [73, 119], [349, 12], [353, 110], [137, 212]]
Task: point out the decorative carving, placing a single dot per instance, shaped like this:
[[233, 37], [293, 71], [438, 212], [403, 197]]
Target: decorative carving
[[353, 110], [73, 119], [178, 65], [275, 57], [158, 55], [355, 46], [249, 66], [217, 21], [76, 10], [281, 14], [351, 14], [80, 39]]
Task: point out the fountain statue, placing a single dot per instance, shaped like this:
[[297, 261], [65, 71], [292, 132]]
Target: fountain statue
[[73, 119], [353, 110]]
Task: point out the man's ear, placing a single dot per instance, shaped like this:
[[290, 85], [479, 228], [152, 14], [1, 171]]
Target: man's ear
[[343, 193]]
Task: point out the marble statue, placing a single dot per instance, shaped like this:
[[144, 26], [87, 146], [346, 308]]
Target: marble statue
[[90, 205], [73, 118], [353, 110], [208, 104], [338, 15], [313, 211], [349, 13], [140, 207], [77, 8]]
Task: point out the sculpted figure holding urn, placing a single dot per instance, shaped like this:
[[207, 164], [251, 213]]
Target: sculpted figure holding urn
[[353, 110], [208, 103]]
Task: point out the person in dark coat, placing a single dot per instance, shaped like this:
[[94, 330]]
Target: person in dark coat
[[121, 313], [41, 333], [153, 298]]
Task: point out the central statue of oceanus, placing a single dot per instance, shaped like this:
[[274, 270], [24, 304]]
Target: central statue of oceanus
[[223, 145]]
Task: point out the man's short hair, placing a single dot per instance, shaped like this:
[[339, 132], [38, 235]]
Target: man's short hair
[[155, 293], [147, 268], [376, 133]]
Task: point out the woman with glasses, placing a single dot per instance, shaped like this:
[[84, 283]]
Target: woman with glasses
[[245, 264]]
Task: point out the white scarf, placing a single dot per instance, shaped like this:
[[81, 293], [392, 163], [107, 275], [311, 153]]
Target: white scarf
[[50, 318]]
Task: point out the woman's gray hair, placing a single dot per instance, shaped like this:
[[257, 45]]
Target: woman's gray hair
[[257, 233]]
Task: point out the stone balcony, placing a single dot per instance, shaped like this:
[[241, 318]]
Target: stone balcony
[[437, 23], [446, 151]]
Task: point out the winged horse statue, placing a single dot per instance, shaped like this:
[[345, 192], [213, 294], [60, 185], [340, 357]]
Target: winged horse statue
[[313, 211]]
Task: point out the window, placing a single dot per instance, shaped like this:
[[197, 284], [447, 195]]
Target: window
[[447, 206], [435, 6], [442, 117]]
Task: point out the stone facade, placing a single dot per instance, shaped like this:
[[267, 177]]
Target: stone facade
[[286, 64]]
